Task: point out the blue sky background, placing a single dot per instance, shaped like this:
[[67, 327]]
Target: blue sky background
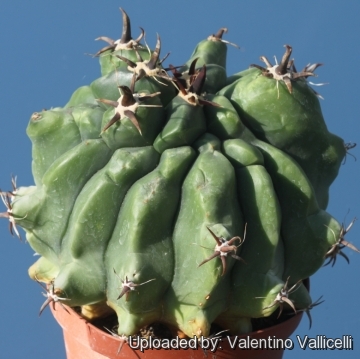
[[43, 46]]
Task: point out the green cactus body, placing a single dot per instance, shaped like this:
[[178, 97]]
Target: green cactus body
[[254, 278], [146, 184], [184, 124], [292, 122], [248, 72], [153, 85], [308, 232], [197, 298], [107, 86], [207, 142], [141, 247], [278, 264], [80, 96], [223, 121], [126, 46], [301, 297], [45, 130], [43, 270], [215, 78], [46, 210], [88, 119], [82, 275], [212, 53], [150, 77]]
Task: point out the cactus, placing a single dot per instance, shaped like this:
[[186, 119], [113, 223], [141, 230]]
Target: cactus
[[204, 193]]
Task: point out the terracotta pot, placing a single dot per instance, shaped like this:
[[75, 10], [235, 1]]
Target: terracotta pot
[[83, 340]]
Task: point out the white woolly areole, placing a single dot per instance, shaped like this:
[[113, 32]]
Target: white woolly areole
[[132, 44], [223, 244], [120, 109], [143, 66], [277, 76], [129, 285], [189, 96]]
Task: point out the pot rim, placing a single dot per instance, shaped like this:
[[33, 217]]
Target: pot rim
[[108, 345]]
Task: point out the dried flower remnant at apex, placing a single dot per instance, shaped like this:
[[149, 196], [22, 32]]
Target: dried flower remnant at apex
[[125, 42], [190, 85], [151, 67], [218, 37]]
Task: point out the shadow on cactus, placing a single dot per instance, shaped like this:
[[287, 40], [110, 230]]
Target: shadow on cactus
[[139, 173]]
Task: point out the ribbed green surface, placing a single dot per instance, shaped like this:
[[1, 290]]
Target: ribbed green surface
[[141, 205]]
